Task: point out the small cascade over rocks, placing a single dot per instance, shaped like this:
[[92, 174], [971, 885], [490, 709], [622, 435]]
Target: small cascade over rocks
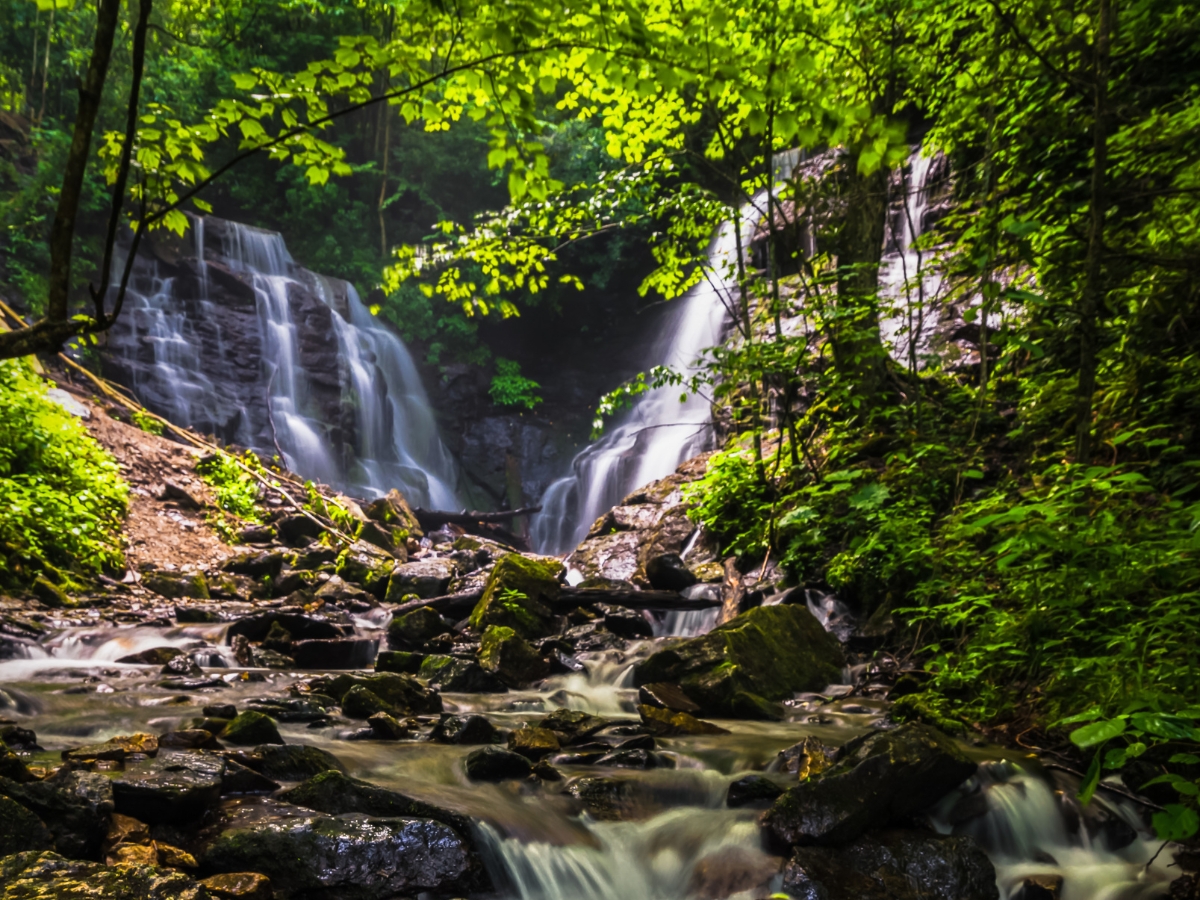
[[224, 333]]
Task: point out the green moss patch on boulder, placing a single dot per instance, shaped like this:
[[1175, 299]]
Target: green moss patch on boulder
[[48, 876], [411, 630], [740, 668], [252, 728], [519, 594], [508, 656]]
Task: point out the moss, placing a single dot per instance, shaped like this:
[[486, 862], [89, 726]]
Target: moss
[[252, 728], [928, 707], [518, 595]]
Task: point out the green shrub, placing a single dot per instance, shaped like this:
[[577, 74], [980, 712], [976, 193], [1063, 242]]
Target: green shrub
[[62, 497], [511, 388], [234, 489]]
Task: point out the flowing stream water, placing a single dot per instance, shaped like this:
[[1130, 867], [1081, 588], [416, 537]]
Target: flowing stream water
[[677, 840], [333, 391]]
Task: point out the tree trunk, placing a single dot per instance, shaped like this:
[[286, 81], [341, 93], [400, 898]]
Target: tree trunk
[[1093, 285], [857, 346]]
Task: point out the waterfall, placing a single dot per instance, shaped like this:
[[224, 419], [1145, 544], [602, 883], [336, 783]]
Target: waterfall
[[659, 432], [232, 337]]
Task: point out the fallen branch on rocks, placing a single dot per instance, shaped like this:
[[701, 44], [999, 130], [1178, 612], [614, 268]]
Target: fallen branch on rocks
[[633, 599], [432, 519], [458, 604]]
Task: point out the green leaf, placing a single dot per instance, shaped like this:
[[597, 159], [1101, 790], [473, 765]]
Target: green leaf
[[1097, 733], [1176, 823], [1091, 781]]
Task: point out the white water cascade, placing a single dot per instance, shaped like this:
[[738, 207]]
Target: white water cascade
[[659, 432], [320, 380]]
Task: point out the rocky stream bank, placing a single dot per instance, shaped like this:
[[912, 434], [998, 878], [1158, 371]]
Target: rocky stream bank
[[404, 714]]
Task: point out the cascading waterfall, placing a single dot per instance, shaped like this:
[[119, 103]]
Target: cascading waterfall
[[320, 381], [658, 432]]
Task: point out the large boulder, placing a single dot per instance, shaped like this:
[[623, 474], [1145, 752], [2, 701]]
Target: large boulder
[[766, 654], [508, 656], [402, 693], [893, 865], [250, 728], [459, 676], [879, 779], [288, 762], [367, 566], [496, 764], [48, 876], [173, 787], [21, 830], [519, 594], [336, 793], [393, 511], [349, 857], [424, 577], [411, 630], [74, 805]]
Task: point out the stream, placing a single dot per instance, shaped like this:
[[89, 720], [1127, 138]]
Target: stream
[[676, 837]]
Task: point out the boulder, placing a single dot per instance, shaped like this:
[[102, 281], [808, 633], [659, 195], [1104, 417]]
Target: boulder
[[387, 727], [668, 572], [519, 594], [668, 723], [411, 630], [361, 702], [288, 762], [240, 779], [382, 537], [879, 779], [73, 805], [732, 871], [238, 886], [452, 729], [399, 661], [666, 696], [155, 656], [633, 758], [256, 564], [533, 743], [402, 693], [334, 653], [496, 764], [300, 626], [17, 738], [759, 658], [177, 585], [21, 830], [367, 566], [321, 856], [457, 675], [191, 739], [34, 875], [393, 510], [805, 759], [612, 798], [182, 666], [625, 623], [893, 865], [336, 793], [252, 727], [174, 787], [752, 790], [13, 767], [298, 529], [424, 577], [506, 655], [573, 725], [305, 708]]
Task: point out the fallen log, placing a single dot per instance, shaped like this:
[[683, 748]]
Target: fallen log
[[632, 599], [455, 604], [432, 519]]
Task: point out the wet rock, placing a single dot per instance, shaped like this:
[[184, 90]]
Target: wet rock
[[239, 886], [496, 764], [506, 655], [182, 666], [73, 805], [593, 638], [367, 566], [625, 623], [805, 759], [269, 659], [252, 727], [388, 728], [256, 564], [563, 663], [278, 638], [336, 793], [94, 753], [766, 654], [21, 830], [17, 738], [573, 725], [667, 723], [177, 585], [257, 534], [666, 696], [175, 786], [13, 767], [288, 762], [634, 759], [411, 630], [752, 790], [893, 865], [640, 742], [518, 595], [399, 661], [335, 653], [546, 772], [730, 871], [611, 799], [879, 779], [307, 708], [668, 572], [33, 876], [361, 702], [240, 779], [221, 711], [377, 535], [298, 529], [452, 729], [322, 856], [423, 577], [393, 510], [299, 626], [401, 693], [456, 675], [190, 739], [156, 656], [533, 743]]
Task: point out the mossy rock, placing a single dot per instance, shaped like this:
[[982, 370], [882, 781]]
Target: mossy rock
[[21, 830], [290, 762], [177, 585], [457, 675], [528, 613], [51, 594], [361, 703], [740, 669], [48, 876], [400, 692], [508, 656], [928, 707], [367, 566], [424, 578], [252, 728], [400, 661], [411, 630]]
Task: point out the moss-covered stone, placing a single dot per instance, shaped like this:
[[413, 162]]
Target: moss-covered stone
[[74, 805], [457, 675], [12, 766], [289, 762], [177, 585], [393, 510], [48, 876], [928, 707], [21, 830], [401, 661], [669, 723], [424, 578], [367, 566], [766, 654], [252, 728], [238, 886], [527, 611], [505, 654], [51, 594], [411, 630], [398, 691], [361, 703]]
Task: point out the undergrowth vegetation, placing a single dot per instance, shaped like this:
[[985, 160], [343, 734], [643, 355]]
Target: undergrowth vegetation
[[62, 495]]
